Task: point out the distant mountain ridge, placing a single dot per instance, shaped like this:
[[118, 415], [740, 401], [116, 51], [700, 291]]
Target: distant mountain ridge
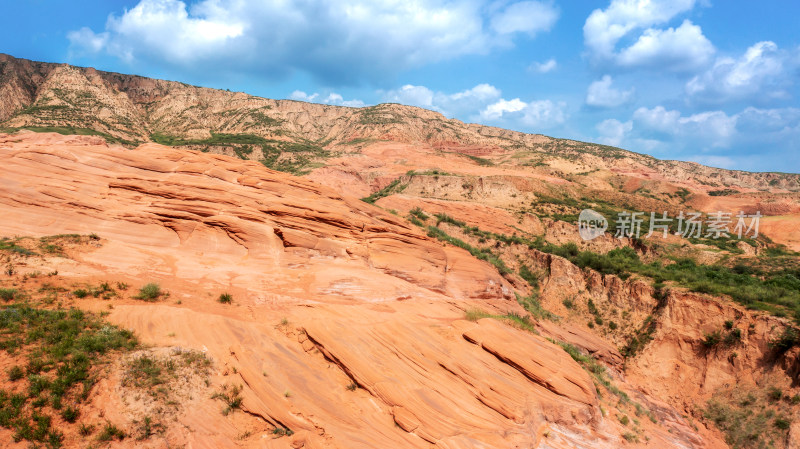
[[284, 134]]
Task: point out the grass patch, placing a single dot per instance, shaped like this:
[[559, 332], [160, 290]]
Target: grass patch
[[74, 131], [150, 292], [8, 294], [753, 418], [480, 253], [230, 395], [61, 347], [7, 244], [393, 187], [111, 432], [516, 320]]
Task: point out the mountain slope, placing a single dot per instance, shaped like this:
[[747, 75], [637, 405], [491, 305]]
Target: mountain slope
[[346, 325], [668, 328], [135, 109]]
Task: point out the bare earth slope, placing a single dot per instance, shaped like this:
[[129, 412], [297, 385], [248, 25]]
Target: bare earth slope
[[348, 321], [360, 150], [328, 292]]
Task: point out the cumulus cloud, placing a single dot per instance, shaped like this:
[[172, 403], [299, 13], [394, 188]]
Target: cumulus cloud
[[751, 126], [763, 72], [602, 95], [682, 48], [464, 103], [484, 104], [533, 115], [544, 67], [710, 128], [338, 42], [613, 132], [677, 49], [412, 95], [332, 98], [711, 137]]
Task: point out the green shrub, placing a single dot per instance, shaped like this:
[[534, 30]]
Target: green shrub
[[150, 292], [65, 344], [630, 437], [419, 214], [774, 394], [70, 414], [592, 308], [15, 373], [733, 337], [230, 395], [624, 420], [612, 325], [282, 431], [225, 298], [111, 432], [8, 294], [788, 339], [393, 187], [80, 293], [712, 339], [782, 423], [568, 303], [147, 428], [143, 372]]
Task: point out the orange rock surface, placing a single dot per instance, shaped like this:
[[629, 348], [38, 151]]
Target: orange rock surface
[[328, 291]]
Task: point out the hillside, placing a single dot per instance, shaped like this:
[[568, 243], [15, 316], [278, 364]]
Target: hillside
[[420, 282]]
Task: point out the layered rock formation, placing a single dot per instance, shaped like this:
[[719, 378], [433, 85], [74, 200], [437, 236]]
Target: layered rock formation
[[329, 292]]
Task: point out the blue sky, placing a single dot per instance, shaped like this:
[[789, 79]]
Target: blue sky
[[712, 82]]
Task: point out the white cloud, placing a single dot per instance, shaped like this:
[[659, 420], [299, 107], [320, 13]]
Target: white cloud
[[613, 132], [337, 41], [752, 139], [544, 67], [88, 40], [604, 28], [710, 128], [675, 49], [484, 104], [466, 102], [496, 110], [763, 71], [682, 48], [528, 17], [534, 115], [412, 95], [600, 94], [658, 118], [332, 98]]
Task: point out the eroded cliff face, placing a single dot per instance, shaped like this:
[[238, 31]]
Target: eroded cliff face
[[347, 325]]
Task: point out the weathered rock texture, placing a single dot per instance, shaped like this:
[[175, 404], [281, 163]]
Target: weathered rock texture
[[329, 292]]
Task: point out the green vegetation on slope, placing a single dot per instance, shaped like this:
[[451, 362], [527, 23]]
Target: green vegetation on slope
[[62, 349], [776, 291], [71, 130], [297, 157]]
